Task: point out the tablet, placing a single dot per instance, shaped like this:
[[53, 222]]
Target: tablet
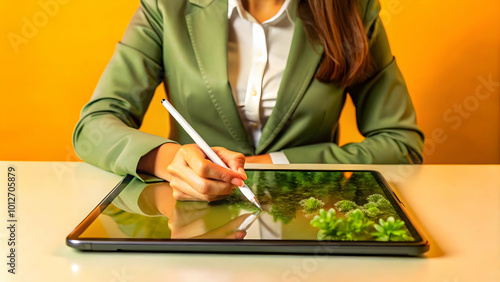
[[304, 212]]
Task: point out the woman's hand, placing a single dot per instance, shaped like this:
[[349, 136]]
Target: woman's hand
[[261, 159], [194, 177]]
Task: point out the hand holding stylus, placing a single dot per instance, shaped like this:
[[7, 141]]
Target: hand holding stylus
[[194, 177], [221, 158]]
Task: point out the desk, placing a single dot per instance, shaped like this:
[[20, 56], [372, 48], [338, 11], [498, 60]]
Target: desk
[[457, 206]]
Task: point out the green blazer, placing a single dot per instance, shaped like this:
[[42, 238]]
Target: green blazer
[[184, 44]]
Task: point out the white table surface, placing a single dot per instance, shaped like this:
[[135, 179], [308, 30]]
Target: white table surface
[[457, 206]]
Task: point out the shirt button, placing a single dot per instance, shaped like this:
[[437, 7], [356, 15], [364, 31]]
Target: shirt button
[[254, 92], [259, 53]]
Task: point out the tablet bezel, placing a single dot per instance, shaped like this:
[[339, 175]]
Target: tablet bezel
[[409, 248]]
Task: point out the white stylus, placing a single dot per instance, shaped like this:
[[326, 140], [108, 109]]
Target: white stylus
[[206, 149], [248, 221]]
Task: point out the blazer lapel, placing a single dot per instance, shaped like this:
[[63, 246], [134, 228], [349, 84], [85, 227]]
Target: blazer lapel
[[300, 69], [208, 29]]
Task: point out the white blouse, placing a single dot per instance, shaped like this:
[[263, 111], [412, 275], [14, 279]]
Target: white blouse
[[257, 56]]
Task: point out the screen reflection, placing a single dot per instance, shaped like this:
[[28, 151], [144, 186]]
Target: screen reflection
[[297, 205]]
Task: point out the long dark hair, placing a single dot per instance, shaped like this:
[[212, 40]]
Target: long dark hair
[[338, 27]]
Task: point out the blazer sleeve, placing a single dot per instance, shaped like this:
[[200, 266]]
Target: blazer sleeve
[[384, 111], [107, 133]]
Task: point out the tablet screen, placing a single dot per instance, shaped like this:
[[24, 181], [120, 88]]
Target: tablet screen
[[297, 205]]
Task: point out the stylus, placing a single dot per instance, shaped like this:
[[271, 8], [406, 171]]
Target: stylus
[[206, 148], [248, 221]]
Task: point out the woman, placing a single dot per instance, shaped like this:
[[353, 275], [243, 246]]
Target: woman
[[261, 79]]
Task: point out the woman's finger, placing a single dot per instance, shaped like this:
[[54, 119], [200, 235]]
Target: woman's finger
[[205, 168], [235, 160], [194, 177], [184, 192], [189, 183]]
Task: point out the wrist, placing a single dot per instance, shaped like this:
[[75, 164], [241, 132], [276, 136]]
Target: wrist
[[263, 159], [157, 160]]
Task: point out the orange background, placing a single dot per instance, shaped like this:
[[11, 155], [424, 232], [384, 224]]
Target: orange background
[[446, 50]]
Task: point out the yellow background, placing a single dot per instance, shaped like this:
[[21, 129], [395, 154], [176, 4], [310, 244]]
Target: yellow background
[[444, 48]]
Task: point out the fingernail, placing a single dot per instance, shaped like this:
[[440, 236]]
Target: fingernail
[[242, 172], [236, 181]]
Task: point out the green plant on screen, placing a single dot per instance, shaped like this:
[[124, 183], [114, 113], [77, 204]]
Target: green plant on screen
[[311, 205], [391, 230]]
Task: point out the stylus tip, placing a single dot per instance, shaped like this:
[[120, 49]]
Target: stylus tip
[[256, 202]]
